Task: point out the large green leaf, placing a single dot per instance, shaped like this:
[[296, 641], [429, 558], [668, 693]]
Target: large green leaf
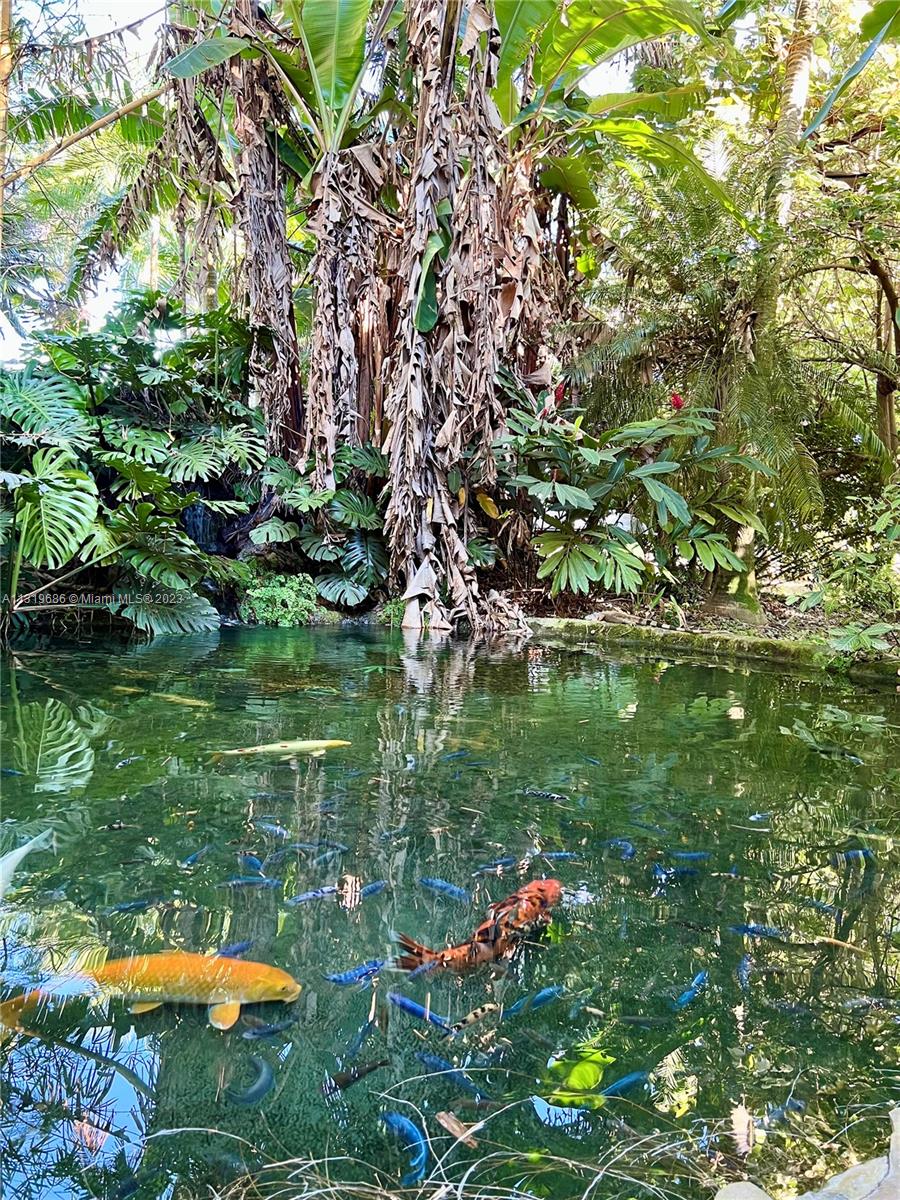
[[203, 55], [168, 612], [589, 32], [569, 175], [670, 105], [518, 21], [274, 530], [55, 510], [338, 589], [880, 24], [47, 410], [49, 743], [335, 34]]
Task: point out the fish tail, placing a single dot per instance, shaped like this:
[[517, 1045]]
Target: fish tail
[[414, 954]]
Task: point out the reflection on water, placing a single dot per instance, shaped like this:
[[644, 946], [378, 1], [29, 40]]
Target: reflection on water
[[729, 934]]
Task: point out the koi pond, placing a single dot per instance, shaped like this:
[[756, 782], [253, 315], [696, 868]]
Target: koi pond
[[716, 996]]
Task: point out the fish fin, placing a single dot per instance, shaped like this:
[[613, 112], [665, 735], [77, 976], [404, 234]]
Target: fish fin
[[414, 953], [223, 1016], [143, 1006]]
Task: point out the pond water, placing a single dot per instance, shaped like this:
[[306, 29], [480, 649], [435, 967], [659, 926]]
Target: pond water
[[766, 781]]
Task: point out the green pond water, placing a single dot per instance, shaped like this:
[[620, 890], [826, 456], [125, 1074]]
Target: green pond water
[[773, 775]]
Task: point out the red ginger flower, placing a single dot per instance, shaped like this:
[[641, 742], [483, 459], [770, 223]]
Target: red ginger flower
[[676, 401]]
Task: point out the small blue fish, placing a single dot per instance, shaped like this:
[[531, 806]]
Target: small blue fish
[[455, 754], [558, 855], [364, 973], [497, 865], [775, 1115], [416, 1010], [126, 762], [830, 910], [626, 1083], [326, 859], [257, 881], [325, 844], [529, 1003], [595, 762], [440, 1065], [423, 969], [250, 862], [235, 950], [625, 847], [316, 894], [744, 967], [129, 906], [414, 1141], [864, 855], [275, 831], [259, 1088], [268, 1031], [766, 816], [359, 1039], [698, 983], [372, 889], [691, 855], [758, 931], [194, 858], [442, 888], [10, 772]]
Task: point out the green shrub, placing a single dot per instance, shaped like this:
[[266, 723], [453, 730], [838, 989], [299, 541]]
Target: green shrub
[[285, 600], [391, 612]]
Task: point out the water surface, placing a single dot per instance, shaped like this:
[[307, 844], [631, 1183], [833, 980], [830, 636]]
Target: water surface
[[771, 776]]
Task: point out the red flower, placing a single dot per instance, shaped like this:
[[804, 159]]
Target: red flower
[[559, 392], [676, 401]]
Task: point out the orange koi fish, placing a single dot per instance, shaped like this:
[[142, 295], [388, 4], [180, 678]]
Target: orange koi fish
[[146, 981], [508, 922]]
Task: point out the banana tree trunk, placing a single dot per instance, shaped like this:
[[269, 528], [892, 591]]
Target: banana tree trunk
[[6, 67], [275, 356]]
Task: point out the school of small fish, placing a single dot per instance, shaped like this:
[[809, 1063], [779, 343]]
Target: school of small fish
[[225, 980]]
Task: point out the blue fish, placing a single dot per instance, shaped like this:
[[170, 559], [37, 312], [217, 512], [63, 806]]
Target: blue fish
[[423, 969], [359, 1039], [625, 847], [362, 974], [260, 1087], [558, 855], [498, 864], [316, 894], [440, 1065], [626, 1083], [595, 762], [442, 888], [10, 772], [780, 1113], [372, 889], [830, 910], [126, 762], [698, 983], [258, 881], [326, 859], [691, 855], [267, 1031], [194, 858], [766, 816], [136, 905], [864, 855], [325, 844], [758, 931], [250, 862], [454, 755], [744, 967], [276, 831], [235, 950], [529, 1003], [414, 1141], [416, 1010]]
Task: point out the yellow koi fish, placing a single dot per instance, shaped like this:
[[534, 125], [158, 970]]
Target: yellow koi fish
[[285, 749], [146, 981]]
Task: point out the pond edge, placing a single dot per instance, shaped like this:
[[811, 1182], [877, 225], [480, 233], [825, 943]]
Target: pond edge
[[883, 670]]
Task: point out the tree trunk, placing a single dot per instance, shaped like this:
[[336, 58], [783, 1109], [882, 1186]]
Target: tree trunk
[[275, 356], [887, 341]]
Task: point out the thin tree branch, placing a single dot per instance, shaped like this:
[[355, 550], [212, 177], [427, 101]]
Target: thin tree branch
[[70, 139]]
